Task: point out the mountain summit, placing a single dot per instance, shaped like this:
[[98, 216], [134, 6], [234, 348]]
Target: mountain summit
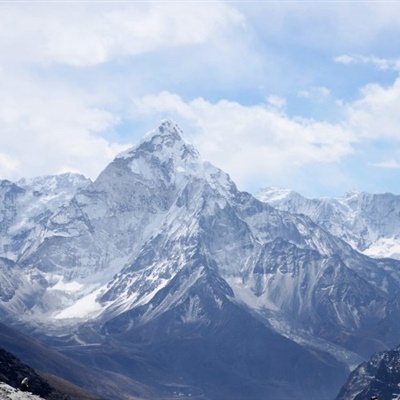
[[162, 151], [161, 270]]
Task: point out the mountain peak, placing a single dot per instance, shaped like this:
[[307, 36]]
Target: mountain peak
[[168, 125], [167, 129], [276, 196], [166, 140], [166, 147]]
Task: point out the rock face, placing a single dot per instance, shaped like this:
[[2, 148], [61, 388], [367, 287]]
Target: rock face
[[368, 222], [380, 376], [163, 271]]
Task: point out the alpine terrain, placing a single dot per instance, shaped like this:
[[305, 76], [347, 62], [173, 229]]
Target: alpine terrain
[[380, 376], [163, 272], [369, 222]]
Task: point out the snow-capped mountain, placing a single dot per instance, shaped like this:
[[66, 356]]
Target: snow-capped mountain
[[368, 222], [162, 264]]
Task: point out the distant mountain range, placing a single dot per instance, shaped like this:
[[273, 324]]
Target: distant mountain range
[[162, 272], [368, 222]]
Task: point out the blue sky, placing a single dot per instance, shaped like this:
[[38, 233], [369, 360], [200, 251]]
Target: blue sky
[[303, 95]]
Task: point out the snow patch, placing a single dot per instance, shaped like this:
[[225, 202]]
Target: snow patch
[[273, 195], [85, 307], [7, 392], [384, 248], [245, 294], [67, 287], [192, 311]]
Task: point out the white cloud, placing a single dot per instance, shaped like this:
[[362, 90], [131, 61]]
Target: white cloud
[[277, 102], [315, 93], [7, 164], [80, 34], [383, 64], [329, 26], [50, 128], [201, 51], [345, 59], [391, 164], [376, 114], [261, 143], [47, 124], [252, 141]]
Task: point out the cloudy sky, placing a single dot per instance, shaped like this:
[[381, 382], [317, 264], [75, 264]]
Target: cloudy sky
[[302, 95]]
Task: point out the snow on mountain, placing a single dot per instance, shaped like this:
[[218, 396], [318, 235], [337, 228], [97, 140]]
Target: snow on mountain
[[19, 289], [25, 209], [162, 253], [26, 206], [368, 222], [9, 393]]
